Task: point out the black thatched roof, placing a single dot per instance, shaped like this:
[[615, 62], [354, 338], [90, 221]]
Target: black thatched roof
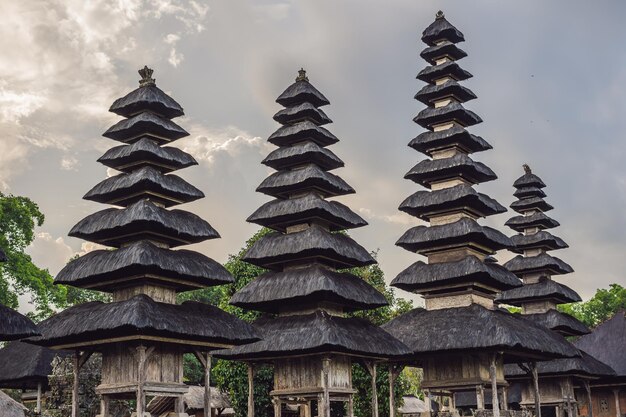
[[606, 342], [24, 366], [540, 220], [146, 182], [559, 322], [143, 220], [423, 239], [529, 180], [310, 177], [445, 49], [428, 142], [276, 291], [303, 111], [447, 69], [450, 88], [546, 289], [279, 214], [145, 124], [300, 132], [303, 153], [190, 323], [451, 112], [107, 270], [300, 92], [318, 332], [586, 365], [314, 244], [146, 152], [440, 30], [475, 328], [530, 203], [147, 98], [524, 192], [421, 276], [428, 171], [423, 204], [527, 264], [14, 326], [542, 240]]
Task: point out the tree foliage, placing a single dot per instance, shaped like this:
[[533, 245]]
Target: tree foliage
[[605, 303]]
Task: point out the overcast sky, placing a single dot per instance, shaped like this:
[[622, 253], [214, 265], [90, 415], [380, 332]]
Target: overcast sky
[[550, 79]]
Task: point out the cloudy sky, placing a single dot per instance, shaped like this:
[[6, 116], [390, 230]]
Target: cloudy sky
[[550, 79]]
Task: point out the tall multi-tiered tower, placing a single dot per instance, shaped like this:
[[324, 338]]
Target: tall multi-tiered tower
[[540, 295], [143, 333], [311, 343], [460, 339]]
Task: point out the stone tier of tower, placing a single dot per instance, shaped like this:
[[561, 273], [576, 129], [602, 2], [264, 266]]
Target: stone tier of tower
[[460, 339], [142, 334], [310, 341]]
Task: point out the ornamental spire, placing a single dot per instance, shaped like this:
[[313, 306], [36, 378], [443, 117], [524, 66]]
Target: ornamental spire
[[302, 75], [146, 76]]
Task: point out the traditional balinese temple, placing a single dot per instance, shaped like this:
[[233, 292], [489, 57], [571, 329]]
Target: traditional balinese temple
[[606, 343], [539, 297], [142, 334], [306, 335], [460, 339]]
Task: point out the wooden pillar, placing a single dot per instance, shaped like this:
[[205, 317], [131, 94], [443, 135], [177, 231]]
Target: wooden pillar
[[207, 384], [589, 400], [325, 371], [617, 405], [429, 405], [350, 405], [570, 393], [371, 367], [494, 385], [75, 371], [504, 398], [480, 397], [250, 390], [104, 406], [277, 407], [38, 409], [141, 379], [394, 373], [535, 376], [320, 405], [179, 404]]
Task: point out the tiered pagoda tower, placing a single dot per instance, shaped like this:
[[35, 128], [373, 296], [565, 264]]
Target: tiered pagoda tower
[[460, 339], [142, 334], [539, 297], [310, 342]]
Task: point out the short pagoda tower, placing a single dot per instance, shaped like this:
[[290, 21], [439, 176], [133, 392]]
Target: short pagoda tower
[[539, 297], [459, 339], [142, 334], [310, 342]]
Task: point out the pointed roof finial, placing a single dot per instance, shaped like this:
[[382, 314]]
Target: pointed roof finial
[[439, 15], [302, 75], [146, 76], [527, 169]]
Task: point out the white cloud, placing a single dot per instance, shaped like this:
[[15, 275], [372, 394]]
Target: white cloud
[[54, 253], [396, 218]]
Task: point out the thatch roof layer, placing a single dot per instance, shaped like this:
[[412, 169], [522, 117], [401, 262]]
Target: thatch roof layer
[[143, 220], [450, 68], [310, 177], [542, 239], [525, 192], [444, 49], [421, 276], [475, 328], [146, 182], [423, 204], [303, 111], [546, 289], [10, 407], [300, 92], [453, 111], [317, 332], [606, 342], [422, 239], [146, 152], [460, 165], [538, 219], [300, 132], [450, 88], [145, 124], [543, 262], [559, 322], [276, 291], [530, 203], [428, 142], [14, 326], [278, 214], [188, 323], [24, 366], [303, 153], [145, 98], [143, 261], [586, 365], [439, 30], [529, 180], [315, 243]]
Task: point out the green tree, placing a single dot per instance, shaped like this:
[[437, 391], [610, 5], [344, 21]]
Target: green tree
[[605, 303]]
